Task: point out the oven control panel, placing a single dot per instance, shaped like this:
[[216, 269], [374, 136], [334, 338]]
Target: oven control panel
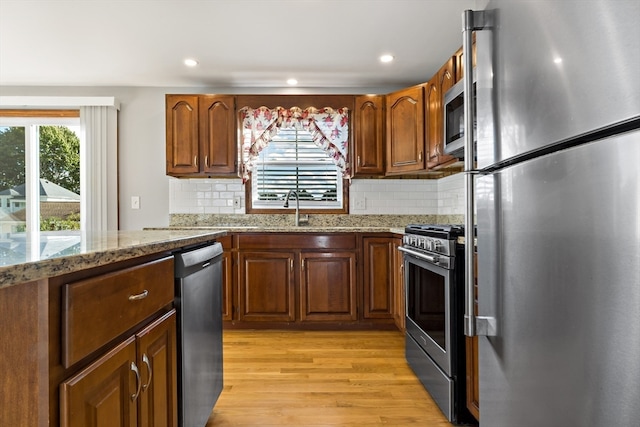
[[429, 244]]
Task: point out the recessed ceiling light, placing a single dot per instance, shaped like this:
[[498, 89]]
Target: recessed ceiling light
[[292, 82], [190, 62], [386, 58]]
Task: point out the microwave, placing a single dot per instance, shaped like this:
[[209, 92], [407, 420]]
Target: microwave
[[454, 123]]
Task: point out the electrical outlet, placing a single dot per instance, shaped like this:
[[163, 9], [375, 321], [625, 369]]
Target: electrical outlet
[[135, 202], [236, 202], [360, 202]]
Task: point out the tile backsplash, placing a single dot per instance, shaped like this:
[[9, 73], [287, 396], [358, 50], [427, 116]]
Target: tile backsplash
[[443, 196]]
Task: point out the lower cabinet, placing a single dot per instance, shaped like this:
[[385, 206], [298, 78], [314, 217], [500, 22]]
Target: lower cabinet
[[133, 384], [473, 375], [328, 286], [266, 286], [296, 278], [398, 280], [378, 277]]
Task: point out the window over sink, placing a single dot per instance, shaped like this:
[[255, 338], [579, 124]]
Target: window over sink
[[292, 161], [305, 151]]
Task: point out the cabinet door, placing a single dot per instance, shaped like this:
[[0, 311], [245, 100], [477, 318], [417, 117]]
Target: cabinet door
[[103, 393], [182, 138], [368, 153], [266, 286], [378, 278], [217, 134], [405, 131], [328, 286], [157, 360], [473, 375], [459, 60], [398, 284], [434, 114]]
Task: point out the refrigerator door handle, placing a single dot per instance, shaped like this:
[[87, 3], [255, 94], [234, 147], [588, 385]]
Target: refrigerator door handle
[[473, 325]]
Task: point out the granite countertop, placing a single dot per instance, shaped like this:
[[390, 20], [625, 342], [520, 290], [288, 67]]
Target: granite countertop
[[288, 229], [33, 256]]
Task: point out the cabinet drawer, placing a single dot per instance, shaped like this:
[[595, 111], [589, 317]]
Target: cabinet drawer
[[99, 309], [289, 241]]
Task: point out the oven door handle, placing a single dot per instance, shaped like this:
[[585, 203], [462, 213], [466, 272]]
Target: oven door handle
[[430, 258]]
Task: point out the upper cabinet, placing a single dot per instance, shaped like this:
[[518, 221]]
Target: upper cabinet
[[368, 136], [201, 135], [435, 89], [459, 60], [405, 131]]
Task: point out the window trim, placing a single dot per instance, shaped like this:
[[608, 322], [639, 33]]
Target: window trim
[[291, 209], [102, 200], [31, 123]]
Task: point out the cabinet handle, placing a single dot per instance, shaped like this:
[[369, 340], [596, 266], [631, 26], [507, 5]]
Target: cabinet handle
[[291, 264], [147, 362], [195, 160], [358, 160], [303, 263], [134, 368], [139, 296], [420, 156], [206, 161]]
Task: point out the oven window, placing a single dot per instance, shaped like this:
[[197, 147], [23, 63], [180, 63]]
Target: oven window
[[426, 302]]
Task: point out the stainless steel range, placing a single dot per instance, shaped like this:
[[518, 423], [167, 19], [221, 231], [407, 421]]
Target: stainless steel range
[[434, 285]]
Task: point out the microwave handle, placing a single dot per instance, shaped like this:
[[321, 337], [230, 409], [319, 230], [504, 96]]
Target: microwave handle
[[473, 325]]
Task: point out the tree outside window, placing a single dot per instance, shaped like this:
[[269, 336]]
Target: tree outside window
[[59, 178]]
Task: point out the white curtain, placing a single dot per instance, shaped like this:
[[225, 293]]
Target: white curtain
[[98, 161]]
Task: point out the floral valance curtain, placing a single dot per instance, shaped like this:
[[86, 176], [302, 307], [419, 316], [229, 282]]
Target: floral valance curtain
[[329, 129]]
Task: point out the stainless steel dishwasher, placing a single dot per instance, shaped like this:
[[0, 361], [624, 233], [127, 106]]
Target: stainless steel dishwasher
[[198, 280]]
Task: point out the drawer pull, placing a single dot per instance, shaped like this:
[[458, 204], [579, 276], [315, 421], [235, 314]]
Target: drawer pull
[[147, 362], [134, 368], [139, 296]]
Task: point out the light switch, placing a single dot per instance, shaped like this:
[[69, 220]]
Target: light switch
[[236, 202], [135, 202]]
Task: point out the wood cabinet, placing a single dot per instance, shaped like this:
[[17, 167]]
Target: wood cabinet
[[289, 279], [471, 344], [379, 277], [328, 286], [102, 394], [405, 131], [201, 135], [266, 286], [434, 115], [103, 322], [459, 60], [134, 384], [157, 357], [368, 135], [398, 280]]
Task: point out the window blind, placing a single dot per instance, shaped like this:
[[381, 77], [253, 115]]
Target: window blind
[[292, 161]]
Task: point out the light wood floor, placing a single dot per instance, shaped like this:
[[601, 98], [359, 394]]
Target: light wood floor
[[320, 378]]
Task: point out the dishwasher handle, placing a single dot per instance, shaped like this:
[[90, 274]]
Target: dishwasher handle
[[193, 260]]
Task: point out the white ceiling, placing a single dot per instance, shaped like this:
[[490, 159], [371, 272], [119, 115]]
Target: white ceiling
[[238, 43]]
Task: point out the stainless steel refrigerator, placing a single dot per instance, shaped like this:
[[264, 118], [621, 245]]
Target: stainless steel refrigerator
[[557, 202]]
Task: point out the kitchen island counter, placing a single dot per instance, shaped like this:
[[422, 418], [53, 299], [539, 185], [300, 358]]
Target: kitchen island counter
[[33, 256]]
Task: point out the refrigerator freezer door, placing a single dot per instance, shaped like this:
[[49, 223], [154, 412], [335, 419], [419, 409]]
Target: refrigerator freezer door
[[559, 267], [557, 69]]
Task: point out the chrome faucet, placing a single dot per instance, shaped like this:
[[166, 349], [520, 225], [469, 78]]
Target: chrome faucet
[[286, 205]]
